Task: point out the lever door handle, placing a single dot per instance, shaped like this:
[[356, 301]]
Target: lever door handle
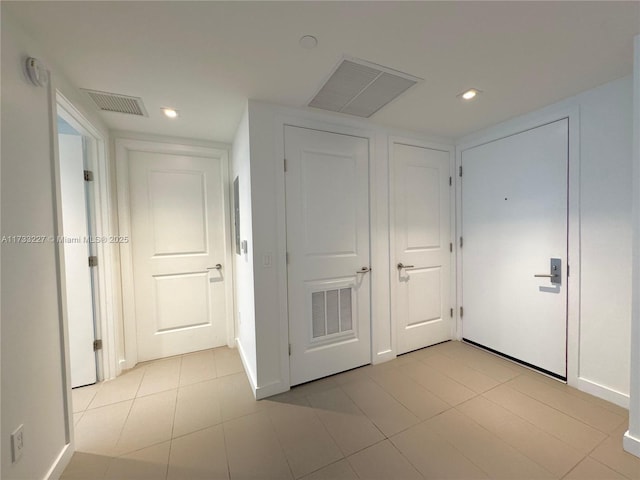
[[553, 275], [364, 270], [217, 267], [401, 266]]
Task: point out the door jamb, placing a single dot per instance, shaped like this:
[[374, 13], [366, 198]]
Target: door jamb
[[123, 147], [572, 113]]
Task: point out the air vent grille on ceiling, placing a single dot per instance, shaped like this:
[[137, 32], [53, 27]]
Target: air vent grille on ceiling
[[113, 102], [361, 88]]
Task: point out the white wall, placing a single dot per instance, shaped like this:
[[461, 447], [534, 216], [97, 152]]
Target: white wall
[[32, 354], [605, 192], [243, 264]]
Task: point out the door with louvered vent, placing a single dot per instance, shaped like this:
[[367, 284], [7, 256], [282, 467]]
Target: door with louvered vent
[[327, 202]]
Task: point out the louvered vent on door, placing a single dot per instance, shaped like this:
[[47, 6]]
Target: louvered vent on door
[[114, 102], [331, 312]]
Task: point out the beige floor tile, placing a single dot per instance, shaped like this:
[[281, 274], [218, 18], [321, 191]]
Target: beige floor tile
[[491, 365], [82, 396], [227, 361], [578, 408], [382, 461], [197, 367], [197, 407], [150, 421], [611, 453], [99, 429], [589, 469], [494, 456], [417, 399], [344, 421], [146, 464], [304, 439], [236, 397], [461, 373], [160, 376], [433, 456], [340, 470], [199, 455], [321, 385], [571, 431], [253, 449], [543, 448], [86, 466], [440, 385], [389, 415], [351, 376], [119, 389]]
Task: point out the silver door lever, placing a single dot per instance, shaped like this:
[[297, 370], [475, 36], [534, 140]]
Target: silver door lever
[[401, 266], [364, 270], [217, 267]]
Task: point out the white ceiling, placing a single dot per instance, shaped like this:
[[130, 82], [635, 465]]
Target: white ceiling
[[206, 58]]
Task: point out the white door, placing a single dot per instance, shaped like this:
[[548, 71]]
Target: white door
[[327, 192], [514, 221], [78, 293], [422, 255], [178, 239]]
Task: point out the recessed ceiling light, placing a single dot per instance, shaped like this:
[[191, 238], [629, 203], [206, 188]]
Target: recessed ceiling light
[[308, 42], [169, 112], [469, 94]]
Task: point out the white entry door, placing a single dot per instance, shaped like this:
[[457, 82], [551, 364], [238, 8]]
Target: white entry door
[[514, 221], [78, 292], [178, 249], [422, 255], [327, 202]]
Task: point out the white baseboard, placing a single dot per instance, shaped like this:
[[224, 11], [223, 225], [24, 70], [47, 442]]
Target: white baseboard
[[247, 369], [271, 389], [55, 472], [631, 444], [382, 357], [603, 392]]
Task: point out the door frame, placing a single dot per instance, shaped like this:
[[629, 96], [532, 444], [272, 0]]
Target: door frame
[[106, 309], [570, 112], [122, 148], [411, 142]]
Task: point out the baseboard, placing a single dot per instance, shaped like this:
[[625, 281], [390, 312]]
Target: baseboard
[[55, 472], [382, 357], [247, 369], [272, 388], [605, 393], [631, 444]]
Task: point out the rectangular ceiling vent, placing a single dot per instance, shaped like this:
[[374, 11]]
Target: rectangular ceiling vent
[[361, 88], [114, 102]]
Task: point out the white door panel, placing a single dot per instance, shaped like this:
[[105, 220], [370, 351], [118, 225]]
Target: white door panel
[[79, 296], [422, 231], [177, 222], [327, 195], [514, 220]]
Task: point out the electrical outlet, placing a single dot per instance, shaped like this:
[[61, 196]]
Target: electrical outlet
[[17, 444]]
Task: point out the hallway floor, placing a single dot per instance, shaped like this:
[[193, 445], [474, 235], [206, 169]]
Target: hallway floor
[[449, 411]]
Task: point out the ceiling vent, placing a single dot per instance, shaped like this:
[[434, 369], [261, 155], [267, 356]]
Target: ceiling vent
[[361, 88], [114, 102]]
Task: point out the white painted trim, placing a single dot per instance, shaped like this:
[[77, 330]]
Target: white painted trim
[[251, 375], [270, 389], [61, 462], [570, 110], [393, 260], [123, 147], [631, 444], [604, 392], [107, 309]]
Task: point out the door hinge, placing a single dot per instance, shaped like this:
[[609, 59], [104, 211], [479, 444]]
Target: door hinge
[[460, 171], [567, 270], [450, 181], [461, 242], [461, 312], [88, 176], [289, 349], [451, 247], [93, 261], [285, 164], [451, 312], [97, 345]]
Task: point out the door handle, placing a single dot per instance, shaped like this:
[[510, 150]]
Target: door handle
[[401, 266], [364, 270], [217, 267], [555, 272]]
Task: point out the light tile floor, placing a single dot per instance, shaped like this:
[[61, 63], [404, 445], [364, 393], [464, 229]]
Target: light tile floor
[[446, 412]]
